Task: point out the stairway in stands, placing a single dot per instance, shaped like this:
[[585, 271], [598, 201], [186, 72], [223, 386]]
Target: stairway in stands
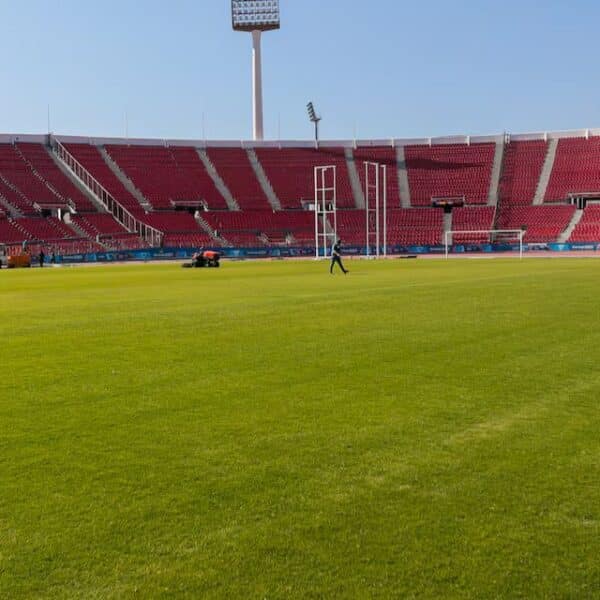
[[565, 236], [264, 180], [232, 203], [496, 173], [127, 183], [357, 191], [403, 185], [542, 187]]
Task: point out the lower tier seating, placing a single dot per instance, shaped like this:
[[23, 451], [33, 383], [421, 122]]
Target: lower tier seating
[[543, 223], [262, 227], [473, 218], [404, 227], [588, 228], [187, 240], [98, 224]]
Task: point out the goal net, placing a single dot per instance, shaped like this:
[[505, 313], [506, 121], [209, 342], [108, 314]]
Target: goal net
[[512, 237]]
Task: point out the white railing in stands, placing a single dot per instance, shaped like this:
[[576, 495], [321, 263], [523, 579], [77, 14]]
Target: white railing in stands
[[120, 213]]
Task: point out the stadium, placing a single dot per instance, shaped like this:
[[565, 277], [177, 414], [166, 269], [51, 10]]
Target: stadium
[[422, 428]]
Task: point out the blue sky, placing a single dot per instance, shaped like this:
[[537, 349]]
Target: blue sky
[[382, 68]]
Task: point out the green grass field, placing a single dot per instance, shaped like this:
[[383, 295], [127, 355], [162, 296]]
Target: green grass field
[[417, 429]]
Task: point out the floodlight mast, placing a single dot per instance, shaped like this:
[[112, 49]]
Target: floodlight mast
[[314, 118], [256, 16]]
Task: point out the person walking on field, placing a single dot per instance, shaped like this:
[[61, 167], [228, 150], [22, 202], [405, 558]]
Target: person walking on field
[[336, 257]]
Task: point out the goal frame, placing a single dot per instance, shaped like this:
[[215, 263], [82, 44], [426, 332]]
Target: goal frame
[[448, 240], [325, 208], [376, 208]]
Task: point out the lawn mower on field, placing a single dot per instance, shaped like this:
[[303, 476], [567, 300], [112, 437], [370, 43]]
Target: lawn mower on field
[[204, 258]]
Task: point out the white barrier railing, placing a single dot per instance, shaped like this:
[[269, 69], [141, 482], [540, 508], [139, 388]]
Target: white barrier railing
[[119, 212]]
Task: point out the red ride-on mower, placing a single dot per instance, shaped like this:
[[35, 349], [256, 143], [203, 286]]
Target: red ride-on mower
[[206, 258]]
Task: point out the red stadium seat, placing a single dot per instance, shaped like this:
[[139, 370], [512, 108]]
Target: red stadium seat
[[449, 171]]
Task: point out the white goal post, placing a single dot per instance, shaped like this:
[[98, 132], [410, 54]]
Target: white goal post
[[494, 235]]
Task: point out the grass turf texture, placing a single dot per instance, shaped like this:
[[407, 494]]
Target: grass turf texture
[[415, 429]]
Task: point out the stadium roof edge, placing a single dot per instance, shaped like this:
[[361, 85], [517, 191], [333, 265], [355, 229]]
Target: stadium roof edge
[[10, 138]]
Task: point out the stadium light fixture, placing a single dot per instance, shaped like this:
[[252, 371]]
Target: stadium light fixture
[[256, 16], [314, 118]]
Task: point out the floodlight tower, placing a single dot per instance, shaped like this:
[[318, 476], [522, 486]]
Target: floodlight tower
[[256, 16], [314, 118]]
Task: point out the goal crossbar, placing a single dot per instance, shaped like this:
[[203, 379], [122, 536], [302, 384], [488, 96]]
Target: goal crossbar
[[448, 241]]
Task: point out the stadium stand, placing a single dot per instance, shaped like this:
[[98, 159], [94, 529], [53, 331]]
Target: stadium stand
[[576, 168], [233, 165], [13, 197], [588, 228], [90, 158], [167, 175], [385, 156], [404, 227], [449, 171], [32, 186], [39, 232], [522, 167], [420, 226], [544, 223], [98, 224], [180, 229], [37, 156], [45, 229], [351, 226], [18, 175], [291, 174], [264, 227], [10, 234], [472, 218]]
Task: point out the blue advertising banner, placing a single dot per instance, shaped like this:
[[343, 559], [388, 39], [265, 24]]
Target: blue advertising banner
[[148, 254]]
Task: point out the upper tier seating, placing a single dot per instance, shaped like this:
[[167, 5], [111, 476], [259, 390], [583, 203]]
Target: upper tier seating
[[233, 165], [472, 218], [522, 167], [544, 223], [40, 160], [19, 174], [291, 174], [385, 156], [449, 171], [91, 159], [166, 175], [15, 198], [576, 168], [588, 229]]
